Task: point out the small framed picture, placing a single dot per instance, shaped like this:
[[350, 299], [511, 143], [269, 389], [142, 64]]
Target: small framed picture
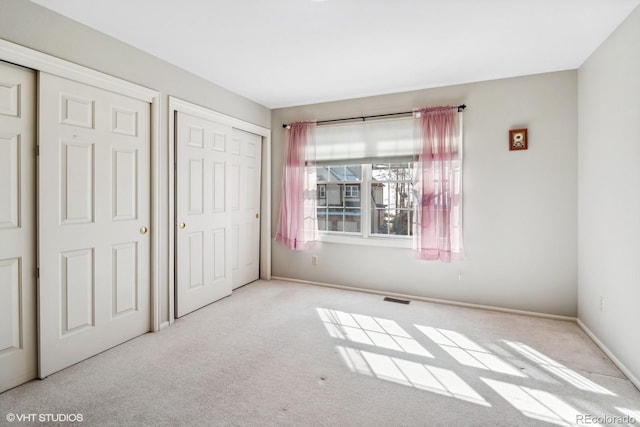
[[518, 139]]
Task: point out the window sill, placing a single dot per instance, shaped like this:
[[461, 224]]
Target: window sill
[[389, 242]]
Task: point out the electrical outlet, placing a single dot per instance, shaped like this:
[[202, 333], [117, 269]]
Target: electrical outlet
[[314, 259], [601, 303]]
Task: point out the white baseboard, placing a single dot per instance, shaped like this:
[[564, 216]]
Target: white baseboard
[[611, 356], [433, 300]]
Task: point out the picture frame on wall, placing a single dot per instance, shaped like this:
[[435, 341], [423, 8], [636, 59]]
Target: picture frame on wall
[[518, 139]]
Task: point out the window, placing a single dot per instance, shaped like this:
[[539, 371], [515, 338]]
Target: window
[[338, 201], [352, 191], [392, 199], [381, 189], [364, 176], [367, 184]]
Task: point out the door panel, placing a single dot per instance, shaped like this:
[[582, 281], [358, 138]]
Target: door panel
[[18, 358], [203, 236], [245, 183], [94, 193]]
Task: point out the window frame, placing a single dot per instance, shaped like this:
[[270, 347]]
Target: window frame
[[322, 194], [327, 206], [349, 192]]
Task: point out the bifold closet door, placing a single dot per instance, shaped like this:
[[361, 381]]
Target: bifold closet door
[[18, 357], [203, 213], [94, 214], [246, 159]]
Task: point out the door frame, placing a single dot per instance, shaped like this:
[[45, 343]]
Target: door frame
[[175, 105], [38, 61]]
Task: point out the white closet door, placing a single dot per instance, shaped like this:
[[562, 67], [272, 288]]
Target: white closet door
[[18, 358], [246, 159], [203, 215], [94, 196]]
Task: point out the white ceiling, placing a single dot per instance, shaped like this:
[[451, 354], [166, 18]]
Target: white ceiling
[[282, 53]]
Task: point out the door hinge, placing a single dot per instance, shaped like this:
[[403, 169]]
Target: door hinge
[[37, 273], [37, 150]]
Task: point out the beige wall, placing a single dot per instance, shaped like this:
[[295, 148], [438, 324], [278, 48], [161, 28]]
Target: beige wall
[[520, 208], [35, 27], [609, 193]]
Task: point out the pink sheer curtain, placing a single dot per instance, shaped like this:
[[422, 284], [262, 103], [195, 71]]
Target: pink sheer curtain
[[438, 220], [298, 226]]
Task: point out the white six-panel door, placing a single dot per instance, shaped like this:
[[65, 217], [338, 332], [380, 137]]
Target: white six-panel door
[[246, 158], [203, 214], [18, 357], [94, 244]]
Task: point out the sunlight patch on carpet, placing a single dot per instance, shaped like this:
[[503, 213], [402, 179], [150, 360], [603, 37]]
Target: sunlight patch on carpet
[[412, 374], [537, 404], [467, 352], [374, 331], [558, 369]]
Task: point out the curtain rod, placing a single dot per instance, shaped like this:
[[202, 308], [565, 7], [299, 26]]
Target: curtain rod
[[363, 118]]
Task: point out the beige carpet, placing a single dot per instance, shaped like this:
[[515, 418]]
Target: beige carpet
[[277, 353]]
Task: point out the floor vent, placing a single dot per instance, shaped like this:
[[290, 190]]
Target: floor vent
[[399, 301]]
